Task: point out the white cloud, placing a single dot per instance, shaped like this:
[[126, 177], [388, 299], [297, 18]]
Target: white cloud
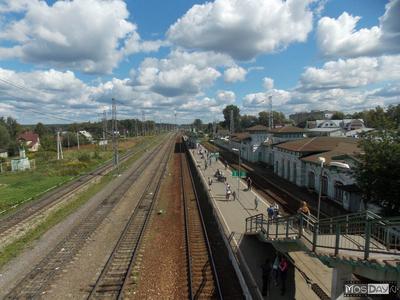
[[268, 83], [88, 35], [181, 73], [243, 29], [226, 97], [261, 100], [339, 37], [235, 74], [352, 73]]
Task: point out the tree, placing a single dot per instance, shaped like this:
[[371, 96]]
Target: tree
[[40, 129], [4, 137], [198, 124], [378, 173], [393, 113], [338, 116], [236, 116], [247, 121], [279, 118]]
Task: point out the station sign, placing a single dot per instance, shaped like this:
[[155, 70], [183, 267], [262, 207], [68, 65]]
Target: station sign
[[235, 173]]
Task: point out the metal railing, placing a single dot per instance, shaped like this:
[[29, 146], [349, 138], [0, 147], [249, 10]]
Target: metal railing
[[363, 232]]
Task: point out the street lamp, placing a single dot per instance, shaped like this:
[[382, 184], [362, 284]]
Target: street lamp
[[239, 152], [321, 160]]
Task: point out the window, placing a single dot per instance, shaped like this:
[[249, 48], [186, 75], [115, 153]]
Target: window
[[311, 180], [324, 185], [294, 173], [338, 195]]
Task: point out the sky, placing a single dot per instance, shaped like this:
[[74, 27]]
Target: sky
[[63, 61]]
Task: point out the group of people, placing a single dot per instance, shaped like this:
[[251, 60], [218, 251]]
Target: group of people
[[273, 211], [229, 192], [275, 273]]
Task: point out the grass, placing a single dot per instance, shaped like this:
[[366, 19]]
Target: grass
[[17, 187], [15, 248]]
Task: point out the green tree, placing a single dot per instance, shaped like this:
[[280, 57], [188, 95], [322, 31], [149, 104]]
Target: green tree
[[378, 172], [198, 124], [4, 137], [279, 118], [393, 113], [236, 116], [247, 121], [40, 129], [338, 116]]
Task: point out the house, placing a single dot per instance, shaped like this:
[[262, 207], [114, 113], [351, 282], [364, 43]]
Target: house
[[297, 161], [87, 135], [3, 153], [277, 136], [335, 131], [30, 140]]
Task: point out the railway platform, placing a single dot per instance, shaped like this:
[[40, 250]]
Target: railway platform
[[304, 272]]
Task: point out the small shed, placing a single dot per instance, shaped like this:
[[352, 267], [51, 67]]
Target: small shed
[[3, 153]]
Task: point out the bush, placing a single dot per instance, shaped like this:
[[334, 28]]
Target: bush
[[96, 155], [72, 168], [84, 157]]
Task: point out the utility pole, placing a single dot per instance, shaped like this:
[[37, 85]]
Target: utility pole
[[104, 128], [59, 146], [176, 125], [114, 136], [143, 124], [77, 138], [271, 114]]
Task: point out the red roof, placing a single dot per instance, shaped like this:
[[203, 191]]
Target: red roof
[[316, 144], [29, 136]]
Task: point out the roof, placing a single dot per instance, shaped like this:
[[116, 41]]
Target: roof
[[238, 137], [350, 149], [257, 128], [29, 136], [328, 129], [315, 144], [288, 129]]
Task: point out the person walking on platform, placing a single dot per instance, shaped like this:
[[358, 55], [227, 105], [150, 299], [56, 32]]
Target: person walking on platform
[[249, 182], [256, 203], [234, 195], [275, 207], [304, 210], [275, 269], [210, 181], [283, 269], [266, 276]]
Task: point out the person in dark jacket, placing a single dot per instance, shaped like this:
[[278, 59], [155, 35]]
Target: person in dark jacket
[[266, 276]]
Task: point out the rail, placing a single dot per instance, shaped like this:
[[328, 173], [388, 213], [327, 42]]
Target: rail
[[363, 232], [207, 241]]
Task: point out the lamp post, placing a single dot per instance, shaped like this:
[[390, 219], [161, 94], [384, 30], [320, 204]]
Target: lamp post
[[239, 152], [322, 161]]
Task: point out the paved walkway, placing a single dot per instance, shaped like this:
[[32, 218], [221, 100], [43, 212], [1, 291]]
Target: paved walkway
[[234, 213]]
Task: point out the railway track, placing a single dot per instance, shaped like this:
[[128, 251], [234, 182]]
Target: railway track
[[29, 214], [270, 191], [116, 273], [202, 275], [34, 284]]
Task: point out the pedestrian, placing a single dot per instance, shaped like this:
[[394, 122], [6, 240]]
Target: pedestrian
[[275, 269], [256, 203], [304, 210], [234, 195], [266, 276], [226, 165], [283, 269], [210, 181], [275, 207], [205, 165], [228, 193], [249, 182], [270, 213]]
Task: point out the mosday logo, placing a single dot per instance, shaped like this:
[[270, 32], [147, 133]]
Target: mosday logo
[[358, 289], [378, 289]]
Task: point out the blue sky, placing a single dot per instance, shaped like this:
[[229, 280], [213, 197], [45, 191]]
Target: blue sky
[[68, 59]]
